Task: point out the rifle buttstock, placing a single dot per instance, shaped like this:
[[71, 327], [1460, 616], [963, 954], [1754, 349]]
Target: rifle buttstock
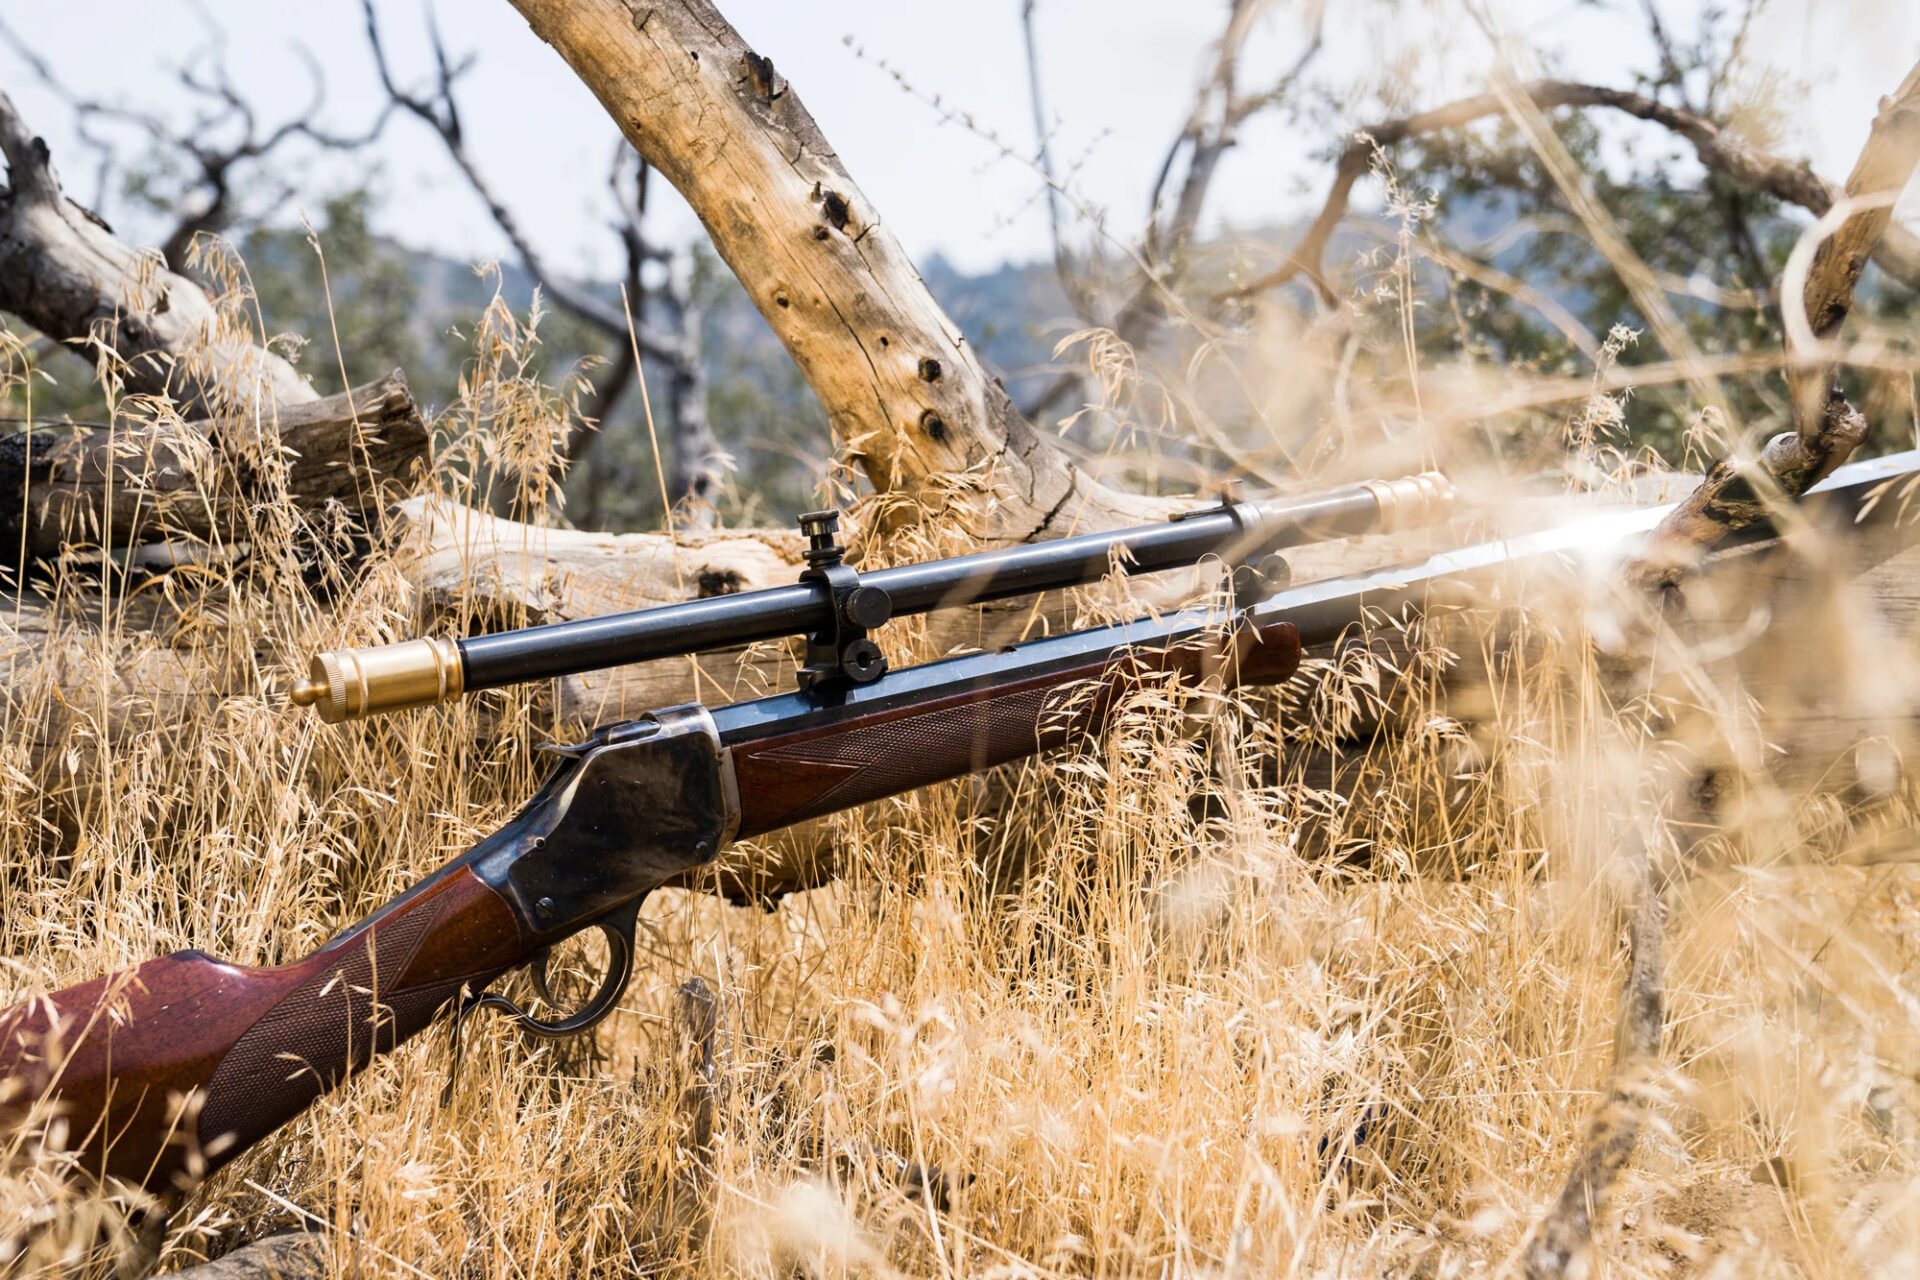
[[170, 1070]]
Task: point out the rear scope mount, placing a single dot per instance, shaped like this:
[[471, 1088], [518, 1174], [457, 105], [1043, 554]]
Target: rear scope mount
[[836, 607]]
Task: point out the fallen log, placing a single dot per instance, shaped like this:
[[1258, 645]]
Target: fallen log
[[100, 489], [284, 1255]]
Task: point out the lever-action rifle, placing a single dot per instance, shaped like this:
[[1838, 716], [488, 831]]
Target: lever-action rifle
[[168, 1071]]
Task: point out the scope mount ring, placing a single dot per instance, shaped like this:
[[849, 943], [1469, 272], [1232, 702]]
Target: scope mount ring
[[840, 651]]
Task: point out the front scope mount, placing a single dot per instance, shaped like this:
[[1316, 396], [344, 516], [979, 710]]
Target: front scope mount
[[840, 649]]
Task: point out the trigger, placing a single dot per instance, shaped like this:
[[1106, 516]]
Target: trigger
[[538, 972]]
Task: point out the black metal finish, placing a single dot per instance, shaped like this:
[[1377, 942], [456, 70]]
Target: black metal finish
[[642, 801], [822, 531], [1255, 582], [636, 804], [1234, 532], [617, 929], [1321, 610], [1852, 495], [840, 650]]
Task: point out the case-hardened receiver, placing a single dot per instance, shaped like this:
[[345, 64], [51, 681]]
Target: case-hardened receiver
[[628, 809]]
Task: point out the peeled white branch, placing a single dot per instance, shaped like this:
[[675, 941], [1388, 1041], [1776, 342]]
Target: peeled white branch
[[63, 271]]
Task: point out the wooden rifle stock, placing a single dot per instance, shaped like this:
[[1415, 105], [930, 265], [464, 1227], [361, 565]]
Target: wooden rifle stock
[[790, 775], [169, 1071]]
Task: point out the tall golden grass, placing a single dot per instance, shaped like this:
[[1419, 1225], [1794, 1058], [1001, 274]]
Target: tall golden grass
[[1174, 1004]]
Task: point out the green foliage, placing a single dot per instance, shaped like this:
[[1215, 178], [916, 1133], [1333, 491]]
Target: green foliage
[[1716, 250], [345, 298]]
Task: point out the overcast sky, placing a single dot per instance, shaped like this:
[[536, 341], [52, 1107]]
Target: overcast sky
[[1119, 79]]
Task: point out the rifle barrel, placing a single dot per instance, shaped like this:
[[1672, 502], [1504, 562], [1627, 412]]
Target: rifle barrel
[[353, 684], [1855, 495]]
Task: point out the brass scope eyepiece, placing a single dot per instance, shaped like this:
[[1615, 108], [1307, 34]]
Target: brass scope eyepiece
[[1412, 502], [352, 684]]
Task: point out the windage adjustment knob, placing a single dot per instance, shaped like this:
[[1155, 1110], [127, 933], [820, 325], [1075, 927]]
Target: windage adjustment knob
[[867, 607]]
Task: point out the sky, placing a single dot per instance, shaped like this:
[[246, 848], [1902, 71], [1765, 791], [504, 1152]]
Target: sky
[[1118, 78]]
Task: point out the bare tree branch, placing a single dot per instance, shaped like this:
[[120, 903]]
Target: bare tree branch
[[1072, 280], [1827, 428], [1881, 173], [698, 462], [1898, 252], [1671, 73], [440, 111], [624, 364], [1210, 132], [700, 465], [1736, 50], [216, 162]]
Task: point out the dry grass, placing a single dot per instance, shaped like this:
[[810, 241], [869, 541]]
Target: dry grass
[[1164, 1010]]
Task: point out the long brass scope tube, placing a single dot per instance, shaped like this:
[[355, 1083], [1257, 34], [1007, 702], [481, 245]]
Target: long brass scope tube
[[352, 684]]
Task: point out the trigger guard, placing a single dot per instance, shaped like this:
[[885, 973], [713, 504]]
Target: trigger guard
[[618, 931]]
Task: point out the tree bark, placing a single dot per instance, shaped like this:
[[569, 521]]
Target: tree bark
[[699, 463], [125, 486], [908, 397], [284, 1255], [63, 272], [1879, 176], [1738, 489]]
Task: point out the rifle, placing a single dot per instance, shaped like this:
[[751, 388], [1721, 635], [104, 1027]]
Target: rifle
[[169, 1071]]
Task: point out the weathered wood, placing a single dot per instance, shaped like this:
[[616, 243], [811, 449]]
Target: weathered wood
[[462, 558], [1885, 165], [285, 1255], [906, 393], [63, 272], [357, 451], [491, 573], [1739, 489]]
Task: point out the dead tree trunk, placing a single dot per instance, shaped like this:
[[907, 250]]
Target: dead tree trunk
[[699, 463], [64, 273], [907, 395], [1827, 428]]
